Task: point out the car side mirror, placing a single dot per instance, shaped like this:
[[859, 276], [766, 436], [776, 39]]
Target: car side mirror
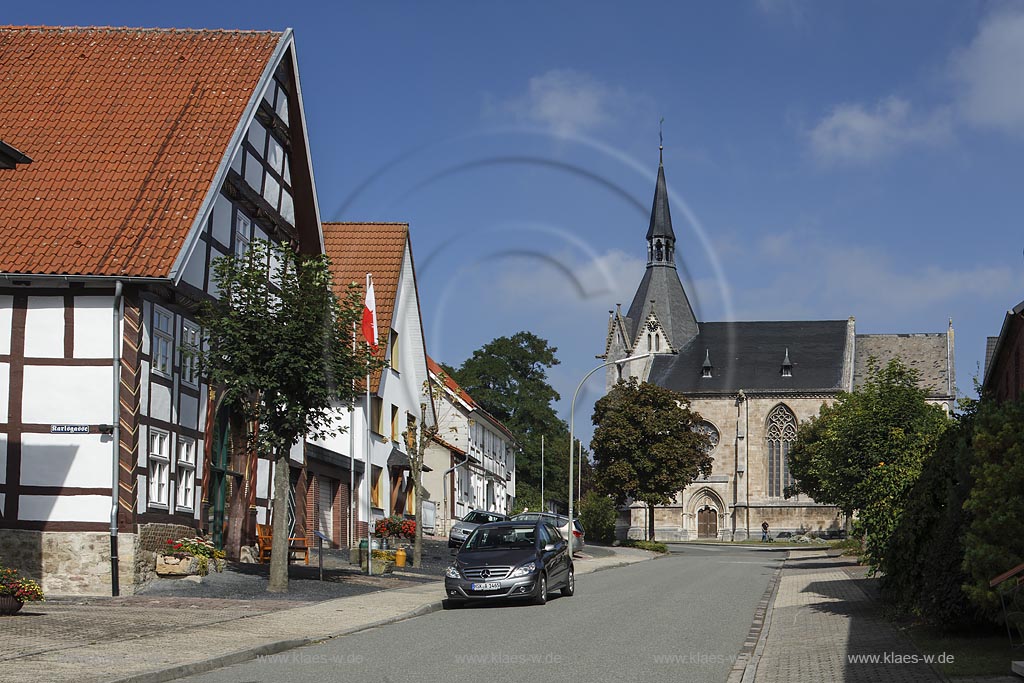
[[549, 547]]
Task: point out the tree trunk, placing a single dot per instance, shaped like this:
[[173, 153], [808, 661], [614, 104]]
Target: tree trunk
[[417, 547], [650, 522], [279, 548]]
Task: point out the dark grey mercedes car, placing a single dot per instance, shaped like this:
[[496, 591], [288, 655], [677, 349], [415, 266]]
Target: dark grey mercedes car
[[510, 560]]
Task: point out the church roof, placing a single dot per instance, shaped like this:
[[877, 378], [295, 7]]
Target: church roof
[[670, 304], [928, 353], [661, 219], [748, 356]]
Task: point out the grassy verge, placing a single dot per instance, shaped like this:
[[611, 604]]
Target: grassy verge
[[986, 652]]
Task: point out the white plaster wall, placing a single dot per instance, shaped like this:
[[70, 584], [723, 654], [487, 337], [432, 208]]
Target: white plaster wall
[[67, 395], [262, 478], [298, 452], [195, 267], [64, 508], [221, 229], [189, 412], [6, 313], [94, 320], [44, 327], [160, 401], [5, 385], [80, 460]]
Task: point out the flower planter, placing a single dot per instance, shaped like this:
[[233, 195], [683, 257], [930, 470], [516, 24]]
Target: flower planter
[[9, 605], [169, 565]]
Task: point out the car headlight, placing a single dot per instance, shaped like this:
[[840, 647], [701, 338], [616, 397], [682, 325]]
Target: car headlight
[[524, 570], [452, 572]]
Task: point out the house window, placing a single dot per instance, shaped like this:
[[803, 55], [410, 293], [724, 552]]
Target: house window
[[243, 233], [159, 467], [376, 407], [189, 349], [185, 472], [375, 473], [393, 343], [394, 423], [780, 434], [162, 341]]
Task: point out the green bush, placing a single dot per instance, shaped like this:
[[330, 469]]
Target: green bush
[[994, 538], [598, 515], [924, 575], [653, 546]]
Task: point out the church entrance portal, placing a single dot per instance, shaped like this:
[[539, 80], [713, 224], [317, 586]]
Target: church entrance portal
[[707, 522]]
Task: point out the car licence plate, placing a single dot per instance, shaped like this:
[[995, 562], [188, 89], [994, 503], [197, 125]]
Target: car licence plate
[[492, 586]]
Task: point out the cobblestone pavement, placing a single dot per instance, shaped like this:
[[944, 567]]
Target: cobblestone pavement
[[823, 627]]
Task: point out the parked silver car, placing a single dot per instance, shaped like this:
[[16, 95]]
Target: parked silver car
[[560, 522], [462, 529]]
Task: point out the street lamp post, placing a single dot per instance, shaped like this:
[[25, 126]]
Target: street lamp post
[[572, 425]]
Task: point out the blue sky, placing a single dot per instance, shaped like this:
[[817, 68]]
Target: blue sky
[[834, 159]]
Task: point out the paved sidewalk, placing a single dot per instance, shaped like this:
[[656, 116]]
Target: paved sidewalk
[[823, 627], [146, 640]]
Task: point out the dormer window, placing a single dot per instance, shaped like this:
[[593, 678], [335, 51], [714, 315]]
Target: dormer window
[[706, 369], [787, 366]]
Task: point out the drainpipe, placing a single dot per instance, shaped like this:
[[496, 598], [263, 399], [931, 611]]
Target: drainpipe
[[116, 440]]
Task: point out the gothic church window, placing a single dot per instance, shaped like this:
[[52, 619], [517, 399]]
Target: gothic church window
[[780, 434], [657, 250]]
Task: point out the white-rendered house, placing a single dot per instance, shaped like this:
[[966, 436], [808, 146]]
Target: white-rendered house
[[152, 153], [472, 460], [397, 392]]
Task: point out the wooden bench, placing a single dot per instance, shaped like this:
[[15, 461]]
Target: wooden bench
[[265, 536]]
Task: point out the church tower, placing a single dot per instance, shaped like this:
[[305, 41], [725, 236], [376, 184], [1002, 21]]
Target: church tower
[[660, 318]]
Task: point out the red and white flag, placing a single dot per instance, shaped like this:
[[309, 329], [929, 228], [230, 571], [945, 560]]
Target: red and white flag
[[370, 315]]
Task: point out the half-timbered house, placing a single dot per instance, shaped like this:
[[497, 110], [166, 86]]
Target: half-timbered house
[[140, 157]]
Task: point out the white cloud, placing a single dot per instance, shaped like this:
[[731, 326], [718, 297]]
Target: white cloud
[[990, 74], [854, 133], [566, 101], [865, 282]]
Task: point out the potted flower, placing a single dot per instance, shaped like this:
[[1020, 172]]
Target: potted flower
[[389, 529], [16, 590], [189, 556]]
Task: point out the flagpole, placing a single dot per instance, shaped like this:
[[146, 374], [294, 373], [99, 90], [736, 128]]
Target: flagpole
[[542, 508], [352, 509], [369, 468]]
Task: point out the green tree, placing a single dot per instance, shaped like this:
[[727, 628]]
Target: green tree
[[994, 542], [864, 452], [645, 445], [279, 350], [598, 515], [508, 378]]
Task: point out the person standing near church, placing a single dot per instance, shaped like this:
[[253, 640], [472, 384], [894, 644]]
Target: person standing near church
[[764, 531]]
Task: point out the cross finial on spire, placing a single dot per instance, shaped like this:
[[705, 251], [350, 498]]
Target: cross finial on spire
[[661, 139]]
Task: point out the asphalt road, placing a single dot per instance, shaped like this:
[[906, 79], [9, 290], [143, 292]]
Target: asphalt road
[[679, 618]]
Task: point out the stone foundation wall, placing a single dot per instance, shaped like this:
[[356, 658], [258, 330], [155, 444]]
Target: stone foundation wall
[[78, 562]]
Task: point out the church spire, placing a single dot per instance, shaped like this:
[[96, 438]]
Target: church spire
[[661, 240]]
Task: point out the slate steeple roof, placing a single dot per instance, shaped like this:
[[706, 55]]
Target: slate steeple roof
[[660, 291], [661, 219]]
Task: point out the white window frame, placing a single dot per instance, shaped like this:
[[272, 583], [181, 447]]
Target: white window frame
[[162, 343], [185, 473], [243, 233], [159, 460], [191, 339]]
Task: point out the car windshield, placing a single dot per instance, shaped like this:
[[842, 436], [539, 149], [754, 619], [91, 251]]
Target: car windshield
[[476, 517], [510, 537]]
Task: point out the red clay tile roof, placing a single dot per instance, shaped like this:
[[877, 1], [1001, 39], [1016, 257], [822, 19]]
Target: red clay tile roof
[[126, 129], [356, 249], [450, 383]]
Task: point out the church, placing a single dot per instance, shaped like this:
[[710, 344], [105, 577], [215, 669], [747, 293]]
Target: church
[[752, 382]]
